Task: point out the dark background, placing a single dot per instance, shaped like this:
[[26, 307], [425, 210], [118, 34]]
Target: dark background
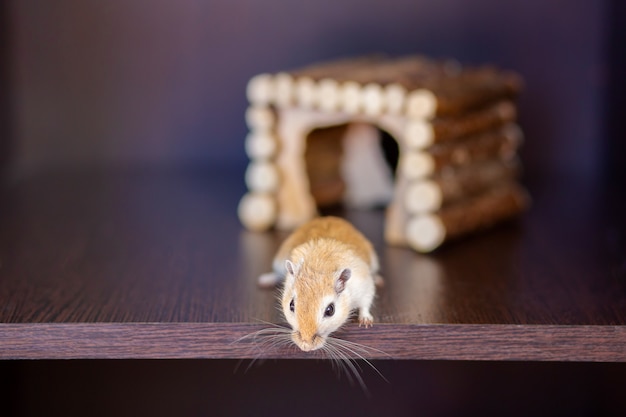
[[134, 82], [310, 388], [159, 81]]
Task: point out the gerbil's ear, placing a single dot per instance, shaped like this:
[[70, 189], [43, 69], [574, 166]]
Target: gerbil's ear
[[340, 285], [291, 267]]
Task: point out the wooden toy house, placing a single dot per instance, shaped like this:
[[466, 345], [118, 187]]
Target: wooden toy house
[[314, 140]]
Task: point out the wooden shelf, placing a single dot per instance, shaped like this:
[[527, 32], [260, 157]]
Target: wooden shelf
[[153, 263]]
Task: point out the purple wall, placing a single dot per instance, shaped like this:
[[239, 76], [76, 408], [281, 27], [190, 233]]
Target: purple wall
[[163, 81]]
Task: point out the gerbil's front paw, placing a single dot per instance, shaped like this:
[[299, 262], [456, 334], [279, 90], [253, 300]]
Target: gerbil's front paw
[[366, 321]]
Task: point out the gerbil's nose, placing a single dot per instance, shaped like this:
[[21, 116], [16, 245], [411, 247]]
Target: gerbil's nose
[[307, 342]]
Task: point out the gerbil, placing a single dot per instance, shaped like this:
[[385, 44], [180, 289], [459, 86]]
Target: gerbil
[[329, 269]]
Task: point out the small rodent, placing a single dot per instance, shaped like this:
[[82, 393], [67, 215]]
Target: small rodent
[[329, 269]]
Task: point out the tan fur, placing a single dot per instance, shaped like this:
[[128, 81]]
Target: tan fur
[[317, 254], [331, 228]]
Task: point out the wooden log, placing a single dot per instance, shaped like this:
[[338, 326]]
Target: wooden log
[[395, 234], [394, 96], [329, 192], [261, 145], [420, 133], [328, 95], [379, 70], [323, 165], [427, 232], [262, 177], [396, 216], [305, 92], [323, 157], [502, 142], [257, 211], [407, 70], [325, 140], [340, 70], [437, 87], [423, 196], [372, 99], [474, 89], [417, 164], [452, 185], [260, 90], [421, 104], [486, 118], [458, 91], [350, 97], [293, 197], [284, 94], [261, 118]]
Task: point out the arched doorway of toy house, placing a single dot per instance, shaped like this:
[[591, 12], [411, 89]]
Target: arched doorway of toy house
[[350, 166]]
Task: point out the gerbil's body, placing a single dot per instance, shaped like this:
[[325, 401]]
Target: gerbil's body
[[330, 269]]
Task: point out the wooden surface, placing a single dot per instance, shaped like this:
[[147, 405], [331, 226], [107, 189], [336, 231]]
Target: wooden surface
[[152, 263]]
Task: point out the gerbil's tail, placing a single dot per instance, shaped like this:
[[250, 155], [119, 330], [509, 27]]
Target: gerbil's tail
[[269, 280]]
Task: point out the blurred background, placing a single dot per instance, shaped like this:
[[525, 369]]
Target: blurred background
[[161, 81]]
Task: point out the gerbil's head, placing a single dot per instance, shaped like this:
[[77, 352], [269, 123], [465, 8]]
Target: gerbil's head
[[314, 302]]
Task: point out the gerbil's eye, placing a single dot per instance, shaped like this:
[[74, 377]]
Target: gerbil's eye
[[292, 306], [330, 310]]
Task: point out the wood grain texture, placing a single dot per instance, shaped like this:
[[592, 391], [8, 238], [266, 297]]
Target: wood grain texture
[[153, 263], [383, 341]]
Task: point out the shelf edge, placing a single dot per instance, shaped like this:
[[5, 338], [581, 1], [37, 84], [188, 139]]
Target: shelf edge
[[484, 342]]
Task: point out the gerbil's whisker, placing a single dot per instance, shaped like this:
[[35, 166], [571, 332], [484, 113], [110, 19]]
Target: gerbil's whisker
[[360, 347], [265, 340], [354, 348], [348, 365], [269, 323], [276, 330]]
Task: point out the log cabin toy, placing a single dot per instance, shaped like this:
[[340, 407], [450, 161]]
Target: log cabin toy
[[314, 140]]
